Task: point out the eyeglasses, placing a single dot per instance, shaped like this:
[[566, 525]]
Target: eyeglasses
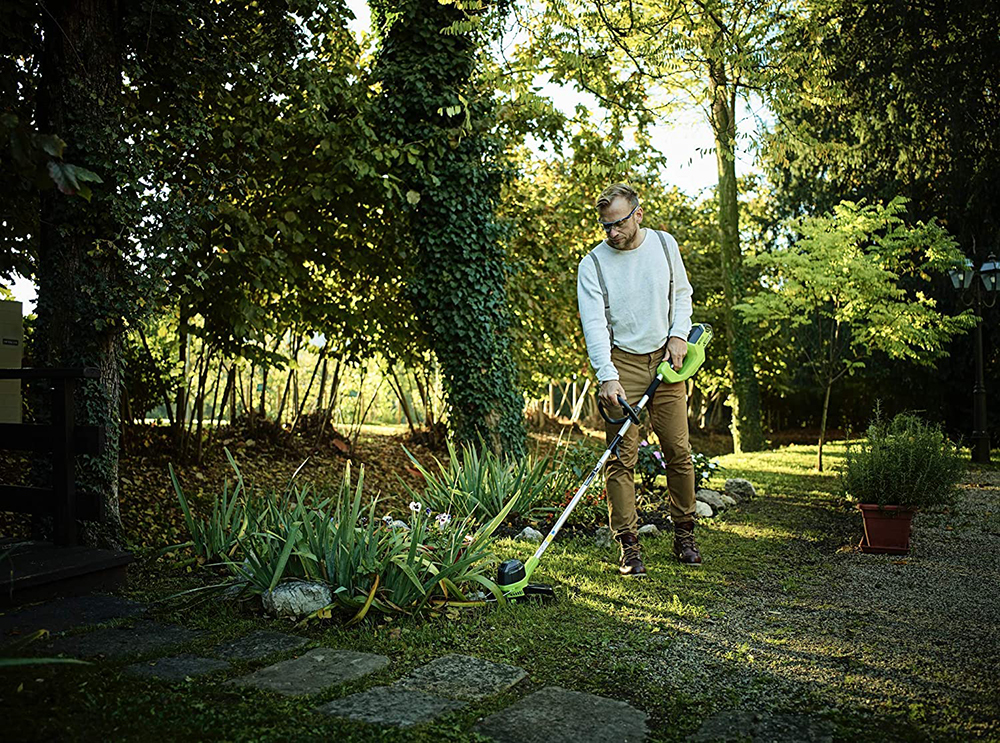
[[608, 226]]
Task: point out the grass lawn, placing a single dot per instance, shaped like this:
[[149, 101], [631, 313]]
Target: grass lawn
[[759, 627]]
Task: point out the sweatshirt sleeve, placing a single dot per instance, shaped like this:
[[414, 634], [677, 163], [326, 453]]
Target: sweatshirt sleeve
[[595, 324], [681, 327]]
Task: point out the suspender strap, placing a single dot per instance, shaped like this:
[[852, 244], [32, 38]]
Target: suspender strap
[[604, 293], [670, 267], [604, 286]]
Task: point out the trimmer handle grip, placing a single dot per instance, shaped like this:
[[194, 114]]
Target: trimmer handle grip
[[629, 412]]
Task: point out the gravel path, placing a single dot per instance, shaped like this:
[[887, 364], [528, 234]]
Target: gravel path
[[859, 635]]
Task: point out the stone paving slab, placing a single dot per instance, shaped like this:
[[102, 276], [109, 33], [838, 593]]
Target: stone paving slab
[[66, 613], [463, 677], [177, 668], [314, 671], [763, 727], [556, 715], [116, 642], [259, 645], [391, 705]]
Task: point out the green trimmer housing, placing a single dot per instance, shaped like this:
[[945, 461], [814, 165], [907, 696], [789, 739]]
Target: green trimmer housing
[[513, 575]]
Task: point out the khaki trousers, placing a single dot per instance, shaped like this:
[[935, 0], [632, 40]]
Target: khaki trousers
[[668, 415]]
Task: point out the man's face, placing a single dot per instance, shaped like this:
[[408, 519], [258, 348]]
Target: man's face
[[625, 219]]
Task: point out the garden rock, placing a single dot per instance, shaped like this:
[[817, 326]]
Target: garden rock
[[530, 535], [397, 524], [703, 510], [463, 677], [730, 502], [649, 530], [259, 645], [555, 715], [603, 538], [391, 705], [296, 599], [313, 672], [712, 498], [761, 726], [740, 489]]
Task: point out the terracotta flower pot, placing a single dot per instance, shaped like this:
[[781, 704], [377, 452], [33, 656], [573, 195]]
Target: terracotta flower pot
[[887, 529]]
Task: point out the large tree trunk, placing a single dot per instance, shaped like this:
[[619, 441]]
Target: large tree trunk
[[748, 435], [822, 425], [81, 298]]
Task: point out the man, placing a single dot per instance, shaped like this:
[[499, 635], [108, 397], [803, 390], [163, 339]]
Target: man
[[635, 306]]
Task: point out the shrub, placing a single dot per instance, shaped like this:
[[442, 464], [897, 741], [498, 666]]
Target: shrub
[[704, 467], [651, 463], [214, 539], [480, 484], [367, 563], [905, 462]]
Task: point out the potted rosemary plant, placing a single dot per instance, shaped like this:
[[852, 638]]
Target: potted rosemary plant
[[902, 466]]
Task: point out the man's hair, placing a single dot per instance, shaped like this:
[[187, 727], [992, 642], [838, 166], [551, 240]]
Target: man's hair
[[616, 190]]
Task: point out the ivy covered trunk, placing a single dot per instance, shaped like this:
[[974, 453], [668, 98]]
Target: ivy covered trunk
[[78, 273], [458, 281], [748, 434]]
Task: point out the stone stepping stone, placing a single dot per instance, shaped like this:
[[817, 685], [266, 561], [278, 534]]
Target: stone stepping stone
[[763, 727], [313, 672], [117, 642], [259, 645], [463, 677], [556, 715], [66, 613], [391, 705], [177, 668]]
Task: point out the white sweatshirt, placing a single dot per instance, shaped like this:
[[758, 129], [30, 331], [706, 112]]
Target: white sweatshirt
[[638, 284]]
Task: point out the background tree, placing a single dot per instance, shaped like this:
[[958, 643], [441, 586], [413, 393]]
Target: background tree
[[647, 62], [426, 64], [839, 291]]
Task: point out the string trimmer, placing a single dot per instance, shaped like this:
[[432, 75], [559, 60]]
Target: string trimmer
[[513, 575]]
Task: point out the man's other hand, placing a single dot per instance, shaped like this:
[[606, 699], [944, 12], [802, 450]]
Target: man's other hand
[[677, 349], [610, 391]]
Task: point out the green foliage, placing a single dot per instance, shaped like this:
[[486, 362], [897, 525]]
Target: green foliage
[[573, 463], [704, 468], [843, 280], [650, 463], [479, 484], [905, 461], [430, 93], [270, 538], [216, 537]]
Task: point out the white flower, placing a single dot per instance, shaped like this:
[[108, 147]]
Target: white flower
[[442, 520], [415, 507], [387, 519]]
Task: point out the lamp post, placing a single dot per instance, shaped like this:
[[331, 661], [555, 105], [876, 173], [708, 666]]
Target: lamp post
[[962, 279]]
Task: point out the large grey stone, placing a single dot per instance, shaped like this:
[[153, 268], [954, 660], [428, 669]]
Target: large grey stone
[[296, 599], [67, 613], [703, 510], [710, 497], [463, 677], [177, 668], [649, 530], [391, 705], [259, 645], [530, 535], [556, 715], [314, 671], [117, 642], [739, 489], [603, 538], [763, 728]]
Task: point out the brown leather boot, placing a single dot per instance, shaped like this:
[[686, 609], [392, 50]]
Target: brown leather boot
[[684, 545], [631, 561]]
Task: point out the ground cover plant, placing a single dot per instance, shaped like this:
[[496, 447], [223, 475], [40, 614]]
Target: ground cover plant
[[768, 624], [263, 539]]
